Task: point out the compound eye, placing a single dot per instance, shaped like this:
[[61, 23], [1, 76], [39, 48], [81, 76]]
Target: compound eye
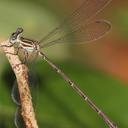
[[19, 30], [13, 37]]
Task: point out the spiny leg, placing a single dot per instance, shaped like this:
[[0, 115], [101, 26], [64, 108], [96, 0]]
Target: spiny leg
[[17, 51], [25, 56], [34, 56], [6, 45]]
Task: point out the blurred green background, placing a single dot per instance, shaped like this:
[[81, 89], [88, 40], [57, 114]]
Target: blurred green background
[[100, 68]]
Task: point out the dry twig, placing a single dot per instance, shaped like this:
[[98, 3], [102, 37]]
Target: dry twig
[[21, 72]]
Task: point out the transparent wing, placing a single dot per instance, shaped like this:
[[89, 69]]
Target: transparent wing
[[15, 94], [87, 10], [85, 33], [18, 119], [33, 88], [34, 81]]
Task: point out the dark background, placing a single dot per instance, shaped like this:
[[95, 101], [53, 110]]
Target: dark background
[[100, 68]]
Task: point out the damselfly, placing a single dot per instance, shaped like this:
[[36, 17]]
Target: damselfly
[[81, 29]]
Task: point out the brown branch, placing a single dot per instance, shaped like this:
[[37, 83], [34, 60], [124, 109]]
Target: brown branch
[[21, 72]]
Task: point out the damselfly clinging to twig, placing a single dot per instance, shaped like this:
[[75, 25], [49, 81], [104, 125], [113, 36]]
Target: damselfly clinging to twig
[[81, 29]]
